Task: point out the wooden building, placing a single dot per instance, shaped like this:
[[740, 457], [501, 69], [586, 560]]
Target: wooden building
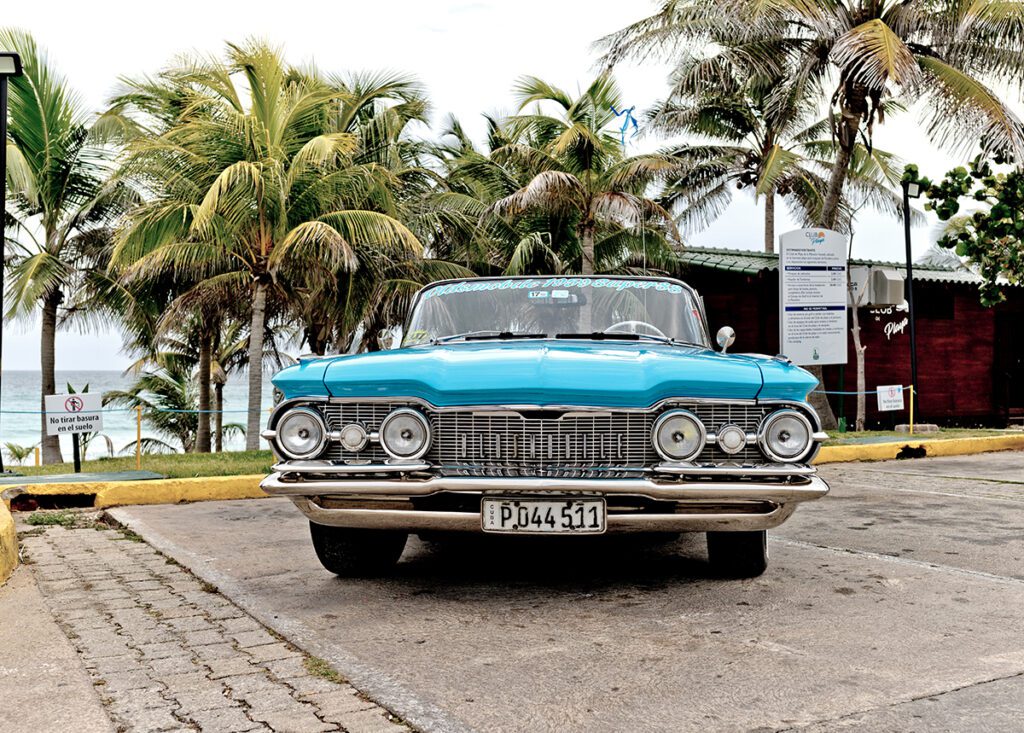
[[970, 358]]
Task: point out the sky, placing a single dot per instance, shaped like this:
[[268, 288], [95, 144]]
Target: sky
[[467, 54]]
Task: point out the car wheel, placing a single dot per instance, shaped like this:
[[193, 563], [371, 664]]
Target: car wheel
[[357, 553], [738, 554]]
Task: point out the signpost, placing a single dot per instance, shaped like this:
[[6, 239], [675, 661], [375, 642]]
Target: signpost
[[813, 296], [74, 414]]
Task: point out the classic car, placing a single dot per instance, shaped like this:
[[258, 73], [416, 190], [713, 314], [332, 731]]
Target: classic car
[[545, 406]]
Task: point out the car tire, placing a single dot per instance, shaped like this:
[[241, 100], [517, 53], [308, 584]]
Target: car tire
[[738, 554], [357, 553]]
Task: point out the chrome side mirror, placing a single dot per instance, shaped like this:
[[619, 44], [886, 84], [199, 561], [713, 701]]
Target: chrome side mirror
[[725, 338]]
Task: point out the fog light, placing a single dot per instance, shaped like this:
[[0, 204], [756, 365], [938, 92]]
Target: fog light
[[354, 437], [786, 436], [405, 434], [678, 435], [732, 439], [301, 433]]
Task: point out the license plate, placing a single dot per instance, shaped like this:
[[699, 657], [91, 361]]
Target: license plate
[[543, 516]]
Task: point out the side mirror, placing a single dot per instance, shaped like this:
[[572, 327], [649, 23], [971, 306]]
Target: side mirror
[[725, 338]]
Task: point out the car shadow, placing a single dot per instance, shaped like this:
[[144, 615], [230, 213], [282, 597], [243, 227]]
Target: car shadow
[[439, 564]]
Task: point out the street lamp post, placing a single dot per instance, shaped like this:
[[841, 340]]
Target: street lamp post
[[10, 65], [910, 190]]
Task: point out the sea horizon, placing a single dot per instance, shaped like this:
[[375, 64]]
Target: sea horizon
[[20, 421]]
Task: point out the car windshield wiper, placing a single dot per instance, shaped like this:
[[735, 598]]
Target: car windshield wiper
[[488, 335], [625, 336]]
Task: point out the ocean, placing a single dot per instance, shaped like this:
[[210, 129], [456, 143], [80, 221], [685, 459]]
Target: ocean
[[21, 393]]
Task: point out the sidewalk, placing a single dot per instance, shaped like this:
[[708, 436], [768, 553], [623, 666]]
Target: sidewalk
[[38, 667], [166, 652]]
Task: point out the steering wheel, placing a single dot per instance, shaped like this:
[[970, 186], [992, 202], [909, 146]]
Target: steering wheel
[[637, 327]]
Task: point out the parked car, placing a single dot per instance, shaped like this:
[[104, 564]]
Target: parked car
[[546, 406]]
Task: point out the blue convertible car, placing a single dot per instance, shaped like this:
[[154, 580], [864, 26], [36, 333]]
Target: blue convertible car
[[546, 405]]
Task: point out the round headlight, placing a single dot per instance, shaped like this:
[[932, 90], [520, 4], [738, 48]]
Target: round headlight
[[301, 433], [786, 436], [732, 439], [405, 434], [678, 435]]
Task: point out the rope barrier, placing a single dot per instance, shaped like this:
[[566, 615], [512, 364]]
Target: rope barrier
[[870, 391]]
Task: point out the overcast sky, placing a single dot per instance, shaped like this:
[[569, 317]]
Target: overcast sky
[[467, 54]]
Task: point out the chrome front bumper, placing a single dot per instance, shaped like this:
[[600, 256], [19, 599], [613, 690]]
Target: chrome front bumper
[[736, 505]]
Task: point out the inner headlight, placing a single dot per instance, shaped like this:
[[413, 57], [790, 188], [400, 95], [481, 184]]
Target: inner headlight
[[405, 434], [786, 436], [301, 433], [678, 435]]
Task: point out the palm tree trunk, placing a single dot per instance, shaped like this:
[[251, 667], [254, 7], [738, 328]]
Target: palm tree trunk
[[587, 266], [218, 416], [830, 208], [769, 222], [259, 313], [203, 429], [48, 377]]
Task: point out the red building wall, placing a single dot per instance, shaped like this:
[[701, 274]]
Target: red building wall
[[960, 370]]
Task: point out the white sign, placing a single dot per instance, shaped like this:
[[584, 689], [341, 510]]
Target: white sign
[[813, 296], [73, 413], [890, 398]]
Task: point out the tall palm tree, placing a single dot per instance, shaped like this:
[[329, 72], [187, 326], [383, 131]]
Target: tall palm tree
[[583, 176], [60, 205], [763, 135], [944, 54], [253, 182]]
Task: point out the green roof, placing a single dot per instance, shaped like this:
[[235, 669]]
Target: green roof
[[750, 262]]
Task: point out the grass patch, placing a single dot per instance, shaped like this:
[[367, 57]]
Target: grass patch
[[51, 519], [130, 536], [883, 436], [172, 465], [320, 668]]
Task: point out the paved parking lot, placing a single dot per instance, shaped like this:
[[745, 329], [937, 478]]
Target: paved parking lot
[[896, 603]]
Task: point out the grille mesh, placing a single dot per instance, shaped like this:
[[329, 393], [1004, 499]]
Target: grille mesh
[[508, 443]]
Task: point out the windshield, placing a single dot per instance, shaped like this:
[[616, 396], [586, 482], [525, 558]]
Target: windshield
[[556, 307]]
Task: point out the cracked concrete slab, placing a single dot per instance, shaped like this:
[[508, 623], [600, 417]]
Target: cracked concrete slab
[[890, 591]]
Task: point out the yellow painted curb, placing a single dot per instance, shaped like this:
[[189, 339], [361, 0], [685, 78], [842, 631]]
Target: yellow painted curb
[[937, 447], [8, 545], [156, 491]]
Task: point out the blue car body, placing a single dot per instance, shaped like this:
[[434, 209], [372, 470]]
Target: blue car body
[[548, 372]]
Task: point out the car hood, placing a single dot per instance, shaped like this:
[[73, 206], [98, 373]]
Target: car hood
[[599, 373]]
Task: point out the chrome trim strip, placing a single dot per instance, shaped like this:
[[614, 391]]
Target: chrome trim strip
[[413, 520], [779, 470], [811, 487], [349, 468]]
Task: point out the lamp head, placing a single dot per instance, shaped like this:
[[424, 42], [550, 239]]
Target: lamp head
[[10, 64], [913, 189]]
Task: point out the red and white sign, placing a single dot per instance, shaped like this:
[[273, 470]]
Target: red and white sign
[[890, 397], [73, 413]]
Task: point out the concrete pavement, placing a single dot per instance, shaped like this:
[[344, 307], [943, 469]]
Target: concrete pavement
[[163, 650], [893, 604], [43, 685]]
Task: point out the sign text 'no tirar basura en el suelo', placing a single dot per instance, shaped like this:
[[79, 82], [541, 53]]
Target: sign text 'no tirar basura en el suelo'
[[73, 413]]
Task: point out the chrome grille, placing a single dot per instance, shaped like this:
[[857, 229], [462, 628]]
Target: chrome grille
[[511, 440], [502, 442]]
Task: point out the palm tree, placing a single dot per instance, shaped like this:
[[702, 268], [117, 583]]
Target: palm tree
[[942, 54], [763, 136], [253, 182], [61, 208], [166, 393], [583, 177]]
